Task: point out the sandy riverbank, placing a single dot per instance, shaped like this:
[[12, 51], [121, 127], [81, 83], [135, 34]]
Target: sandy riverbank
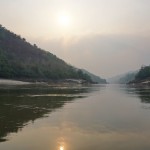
[[12, 82]]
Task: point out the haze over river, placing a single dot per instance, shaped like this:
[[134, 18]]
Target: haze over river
[[98, 117]]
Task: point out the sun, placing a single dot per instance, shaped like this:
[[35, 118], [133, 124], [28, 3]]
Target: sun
[[64, 20]]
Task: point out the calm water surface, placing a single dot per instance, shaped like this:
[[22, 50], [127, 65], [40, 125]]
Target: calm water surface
[[107, 117]]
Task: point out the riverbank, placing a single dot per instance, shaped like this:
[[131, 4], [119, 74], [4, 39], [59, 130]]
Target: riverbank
[[66, 82], [145, 82], [12, 82]]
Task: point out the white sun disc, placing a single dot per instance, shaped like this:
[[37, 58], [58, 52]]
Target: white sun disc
[[64, 20]]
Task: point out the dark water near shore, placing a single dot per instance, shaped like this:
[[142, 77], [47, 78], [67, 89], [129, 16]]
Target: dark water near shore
[[110, 117]]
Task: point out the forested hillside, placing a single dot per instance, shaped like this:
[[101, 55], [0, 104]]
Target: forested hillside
[[95, 79], [21, 60], [143, 73], [142, 77]]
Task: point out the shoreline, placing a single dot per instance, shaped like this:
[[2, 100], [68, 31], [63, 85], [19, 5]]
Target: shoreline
[[13, 82]]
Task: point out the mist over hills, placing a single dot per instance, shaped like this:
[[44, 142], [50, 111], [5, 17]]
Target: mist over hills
[[122, 78], [21, 60], [138, 77]]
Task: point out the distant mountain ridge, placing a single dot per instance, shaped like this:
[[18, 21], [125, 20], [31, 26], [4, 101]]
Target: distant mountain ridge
[[123, 78], [138, 77]]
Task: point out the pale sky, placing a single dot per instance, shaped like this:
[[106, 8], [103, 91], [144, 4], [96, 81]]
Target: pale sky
[[106, 37]]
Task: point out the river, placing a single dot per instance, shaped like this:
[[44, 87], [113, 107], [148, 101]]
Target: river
[[98, 117]]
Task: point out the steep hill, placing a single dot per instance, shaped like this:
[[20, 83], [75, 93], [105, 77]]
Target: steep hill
[[95, 79], [21, 60], [142, 77]]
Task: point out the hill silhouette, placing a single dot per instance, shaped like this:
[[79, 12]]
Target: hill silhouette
[[142, 77], [95, 78], [21, 60]]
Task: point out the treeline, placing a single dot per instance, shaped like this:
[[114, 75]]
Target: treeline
[[142, 77], [143, 73], [21, 60], [95, 79]]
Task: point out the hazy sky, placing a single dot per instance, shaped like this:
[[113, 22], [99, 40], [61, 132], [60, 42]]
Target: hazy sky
[[106, 37]]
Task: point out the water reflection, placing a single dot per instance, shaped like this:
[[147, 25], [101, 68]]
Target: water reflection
[[144, 95], [21, 104], [142, 92], [61, 148], [109, 119], [61, 143]]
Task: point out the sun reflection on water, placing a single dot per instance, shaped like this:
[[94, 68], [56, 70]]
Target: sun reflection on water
[[61, 148], [61, 143]]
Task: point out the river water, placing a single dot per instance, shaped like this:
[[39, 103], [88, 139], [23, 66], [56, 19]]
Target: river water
[[100, 117]]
